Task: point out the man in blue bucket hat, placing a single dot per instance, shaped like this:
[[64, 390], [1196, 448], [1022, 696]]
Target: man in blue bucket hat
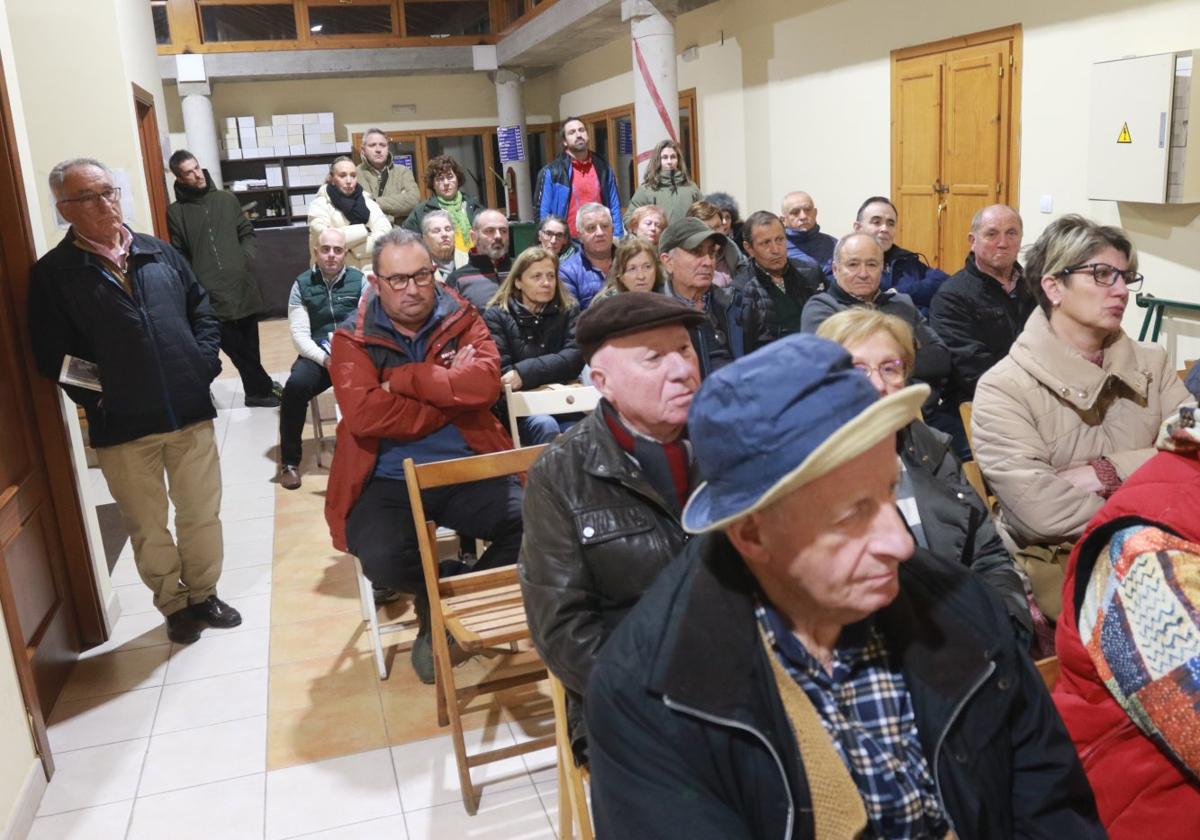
[[800, 670]]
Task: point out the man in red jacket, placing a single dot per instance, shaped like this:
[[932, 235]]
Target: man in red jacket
[[415, 372], [1129, 650]]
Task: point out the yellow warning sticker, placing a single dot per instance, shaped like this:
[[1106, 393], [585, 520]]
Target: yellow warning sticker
[[1124, 135]]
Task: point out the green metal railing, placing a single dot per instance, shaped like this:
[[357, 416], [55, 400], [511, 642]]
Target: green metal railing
[[1155, 308]]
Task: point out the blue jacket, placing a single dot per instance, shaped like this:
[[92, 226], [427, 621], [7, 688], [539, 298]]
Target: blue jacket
[[581, 278], [156, 349], [811, 246], [906, 272], [552, 195]]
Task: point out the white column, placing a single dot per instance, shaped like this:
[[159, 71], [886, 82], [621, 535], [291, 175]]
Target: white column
[[511, 108], [655, 83], [201, 128]]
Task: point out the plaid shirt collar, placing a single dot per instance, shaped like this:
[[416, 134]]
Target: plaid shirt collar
[[865, 707]]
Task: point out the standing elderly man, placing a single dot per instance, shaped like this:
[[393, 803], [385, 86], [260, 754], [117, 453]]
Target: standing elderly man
[[584, 272], [774, 287], [393, 187], [488, 263], [602, 504], [857, 271], [980, 311], [416, 373], [321, 298], [903, 270], [208, 227], [805, 239], [129, 304], [800, 670], [689, 251], [576, 178], [437, 230]]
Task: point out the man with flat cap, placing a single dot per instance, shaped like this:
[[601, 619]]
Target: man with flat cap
[[800, 671], [602, 505], [689, 251]]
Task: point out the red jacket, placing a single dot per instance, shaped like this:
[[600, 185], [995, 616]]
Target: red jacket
[[422, 396], [1139, 791]]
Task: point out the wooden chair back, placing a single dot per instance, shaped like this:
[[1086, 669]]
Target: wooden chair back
[[1049, 670], [971, 470], [573, 810]]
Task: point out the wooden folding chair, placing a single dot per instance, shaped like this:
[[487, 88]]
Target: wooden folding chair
[[971, 470], [573, 811], [321, 414], [552, 399], [1049, 670], [480, 610]]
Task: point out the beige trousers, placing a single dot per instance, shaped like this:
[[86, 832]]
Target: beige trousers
[[185, 569]]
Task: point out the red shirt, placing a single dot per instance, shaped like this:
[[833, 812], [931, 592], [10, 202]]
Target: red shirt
[[585, 189]]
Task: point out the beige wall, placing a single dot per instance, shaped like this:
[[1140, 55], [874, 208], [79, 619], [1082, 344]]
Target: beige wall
[[788, 101], [466, 99]]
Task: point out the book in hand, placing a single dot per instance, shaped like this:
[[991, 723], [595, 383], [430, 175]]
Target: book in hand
[[80, 373]]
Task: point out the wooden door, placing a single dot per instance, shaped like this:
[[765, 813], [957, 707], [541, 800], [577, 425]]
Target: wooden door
[[954, 106], [47, 590], [152, 161]]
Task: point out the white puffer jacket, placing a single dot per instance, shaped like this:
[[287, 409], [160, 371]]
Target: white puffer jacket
[[360, 239]]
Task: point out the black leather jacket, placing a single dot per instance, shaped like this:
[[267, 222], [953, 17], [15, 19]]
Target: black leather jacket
[[596, 536]]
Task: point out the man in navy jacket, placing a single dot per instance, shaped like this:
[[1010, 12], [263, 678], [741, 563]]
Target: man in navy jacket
[[130, 304]]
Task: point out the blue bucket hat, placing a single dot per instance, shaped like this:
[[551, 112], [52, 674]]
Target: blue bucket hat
[[779, 418]]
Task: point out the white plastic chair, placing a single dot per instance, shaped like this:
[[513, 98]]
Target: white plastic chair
[[551, 399]]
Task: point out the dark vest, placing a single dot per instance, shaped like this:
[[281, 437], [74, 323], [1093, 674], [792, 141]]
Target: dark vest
[[329, 307]]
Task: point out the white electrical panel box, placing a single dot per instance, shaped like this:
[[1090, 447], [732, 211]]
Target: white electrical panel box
[[1141, 146]]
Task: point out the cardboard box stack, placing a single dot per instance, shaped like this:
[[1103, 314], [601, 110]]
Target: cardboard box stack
[[287, 135]]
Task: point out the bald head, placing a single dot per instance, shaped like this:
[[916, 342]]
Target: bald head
[[489, 232], [799, 211], [995, 240], [330, 252]]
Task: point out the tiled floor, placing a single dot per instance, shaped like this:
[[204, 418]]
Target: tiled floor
[[279, 728]]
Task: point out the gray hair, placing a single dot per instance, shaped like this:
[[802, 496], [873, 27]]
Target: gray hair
[[479, 215], [371, 131], [398, 237], [1068, 241], [977, 219], [587, 210], [59, 173], [841, 243], [434, 216]]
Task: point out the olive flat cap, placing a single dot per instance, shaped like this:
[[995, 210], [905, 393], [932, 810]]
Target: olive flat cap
[[627, 313]]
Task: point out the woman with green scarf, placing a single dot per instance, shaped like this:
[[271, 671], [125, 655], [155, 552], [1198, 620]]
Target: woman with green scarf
[[443, 178], [667, 184]]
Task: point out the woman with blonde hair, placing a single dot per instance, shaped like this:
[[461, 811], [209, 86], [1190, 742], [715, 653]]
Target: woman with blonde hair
[[648, 222], [635, 268], [666, 184], [343, 204], [532, 320], [944, 514]]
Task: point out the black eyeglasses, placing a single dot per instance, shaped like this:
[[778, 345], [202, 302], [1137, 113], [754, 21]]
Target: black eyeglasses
[[111, 195], [1106, 275], [399, 282]]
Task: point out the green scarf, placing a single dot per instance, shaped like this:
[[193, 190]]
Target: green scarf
[[457, 209]]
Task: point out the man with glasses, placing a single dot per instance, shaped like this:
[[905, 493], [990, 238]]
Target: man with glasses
[[393, 187], [487, 264], [130, 305], [980, 310], [416, 373], [321, 298]]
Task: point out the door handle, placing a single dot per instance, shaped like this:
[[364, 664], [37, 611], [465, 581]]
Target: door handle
[[941, 206]]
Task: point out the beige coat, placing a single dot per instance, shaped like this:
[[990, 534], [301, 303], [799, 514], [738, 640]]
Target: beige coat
[[1044, 408], [360, 239]]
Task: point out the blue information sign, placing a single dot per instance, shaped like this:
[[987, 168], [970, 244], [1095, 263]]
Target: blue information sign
[[512, 143], [403, 160], [624, 137]]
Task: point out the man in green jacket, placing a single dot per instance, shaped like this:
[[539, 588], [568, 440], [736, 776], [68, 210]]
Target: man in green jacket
[[208, 227], [393, 187]]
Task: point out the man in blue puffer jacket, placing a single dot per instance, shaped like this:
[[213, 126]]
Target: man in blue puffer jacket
[[903, 270], [130, 305]]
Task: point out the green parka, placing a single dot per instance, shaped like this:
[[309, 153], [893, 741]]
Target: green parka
[[400, 192], [672, 193], [209, 228]]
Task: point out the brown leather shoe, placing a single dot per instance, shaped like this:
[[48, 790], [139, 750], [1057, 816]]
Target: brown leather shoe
[[289, 477]]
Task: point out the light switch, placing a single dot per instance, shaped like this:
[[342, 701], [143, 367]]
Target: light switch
[[1046, 205]]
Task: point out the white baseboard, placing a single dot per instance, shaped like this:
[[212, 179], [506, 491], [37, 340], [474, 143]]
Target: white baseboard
[[25, 808]]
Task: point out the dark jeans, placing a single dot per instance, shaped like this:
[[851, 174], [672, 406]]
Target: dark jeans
[[381, 534], [306, 380], [239, 340]]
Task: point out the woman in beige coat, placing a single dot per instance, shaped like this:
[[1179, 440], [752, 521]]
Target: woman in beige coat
[[343, 204], [1074, 408]]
